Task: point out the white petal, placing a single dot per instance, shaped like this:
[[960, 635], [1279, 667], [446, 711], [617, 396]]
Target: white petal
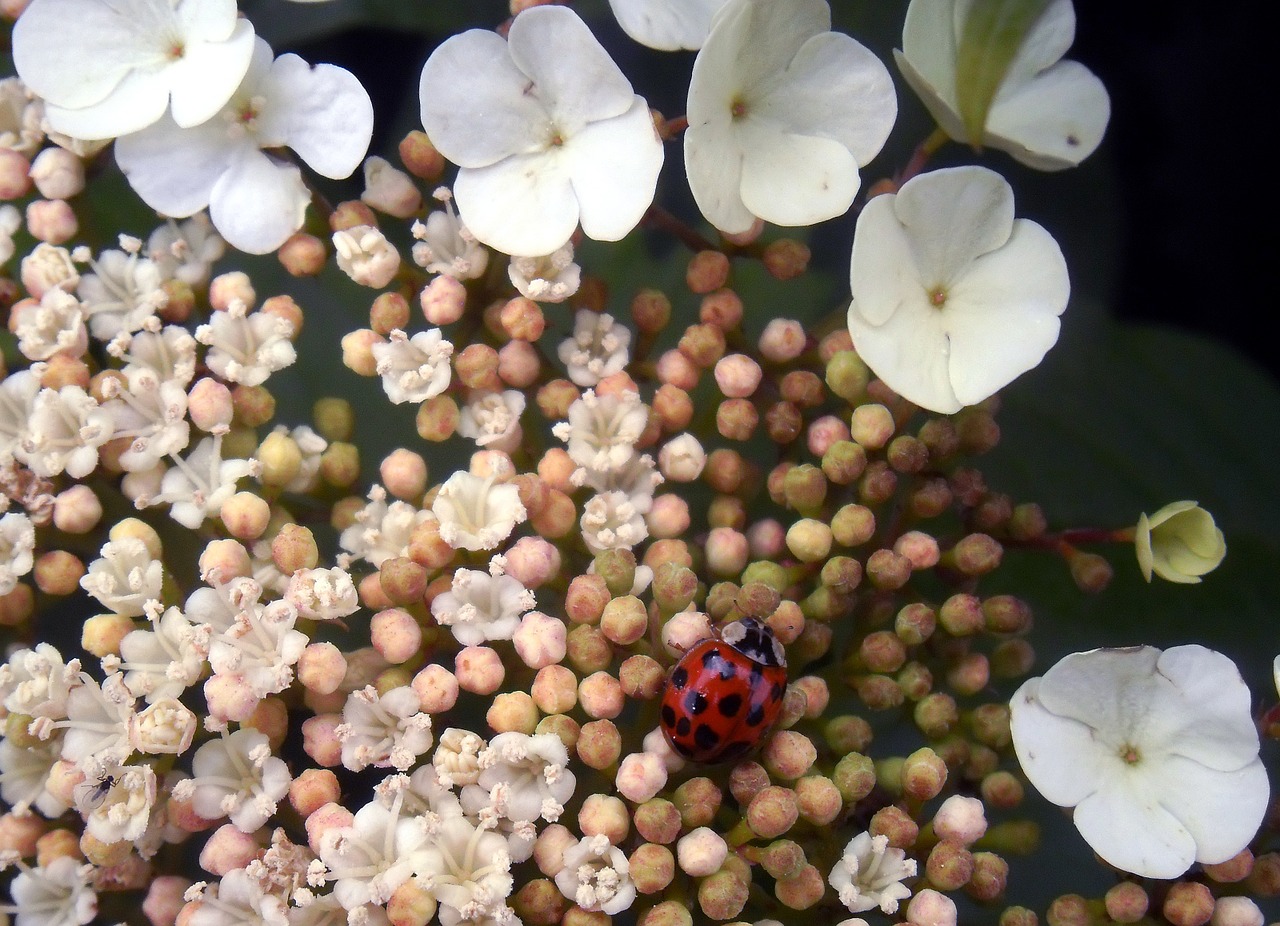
[[174, 170], [473, 102], [573, 75], [713, 163], [929, 44], [797, 179], [1125, 824], [135, 103], [940, 103], [666, 25], [1053, 122], [1111, 690], [323, 113], [835, 88], [1221, 810], [1061, 757], [883, 275], [1044, 45], [207, 74], [258, 202], [1002, 314], [759, 38], [953, 216], [910, 352], [613, 166], [522, 205]]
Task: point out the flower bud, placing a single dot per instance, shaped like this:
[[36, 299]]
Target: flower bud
[[772, 812], [389, 190], [57, 173], [1179, 543], [930, 908], [1127, 902], [1188, 903], [52, 221], [707, 271]]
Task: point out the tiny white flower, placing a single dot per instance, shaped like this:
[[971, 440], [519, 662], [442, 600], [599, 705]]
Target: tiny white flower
[[187, 250], [122, 294], [870, 874], [237, 776], [467, 867], [260, 647], [554, 135], [37, 681], [953, 298], [18, 393], [598, 347], [553, 278], [597, 876], [383, 730], [414, 369], [445, 246], [247, 347], [602, 431], [492, 419], [124, 810], [255, 201], [1047, 113], [10, 222], [47, 267], [477, 513], [169, 352], [480, 607], [17, 547], [54, 325], [377, 853], [682, 458], [166, 727], [197, 485], [239, 898], [152, 413], [124, 577], [611, 521], [366, 256], [323, 594], [534, 773], [64, 433], [161, 663], [1156, 751], [107, 68], [25, 777], [667, 25], [97, 724], [782, 113], [58, 894], [381, 530]]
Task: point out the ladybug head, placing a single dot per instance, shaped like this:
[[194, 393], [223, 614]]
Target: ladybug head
[[756, 641]]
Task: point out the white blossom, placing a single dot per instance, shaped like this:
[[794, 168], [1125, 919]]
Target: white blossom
[[636, 479], [597, 876], [554, 134], [169, 352], [953, 298], [164, 661], [322, 594], [377, 853], [17, 547], [531, 773], [782, 113], [197, 485], [366, 256], [492, 419], [124, 577], [150, 411], [58, 894], [553, 278], [1047, 113], [239, 898], [121, 294], [383, 730], [261, 646], [598, 347], [18, 393], [247, 347], [480, 606], [602, 431], [1156, 751], [445, 245], [123, 811], [10, 222], [237, 776], [186, 250], [48, 266], [870, 874], [20, 116], [381, 530], [25, 777], [64, 432], [457, 757], [37, 681], [477, 513], [107, 68], [667, 25], [466, 867], [413, 369], [97, 725], [611, 521], [256, 201], [54, 325], [166, 727]]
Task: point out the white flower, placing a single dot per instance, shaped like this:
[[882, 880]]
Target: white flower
[[477, 513], [247, 347], [456, 760], [187, 250], [47, 267], [196, 486], [385, 731], [163, 662], [553, 133], [682, 458], [169, 352], [492, 419], [151, 411], [365, 255], [64, 433], [256, 201], [1046, 113], [466, 866], [376, 854], [322, 594], [97, 724], [598, 347], [58, 894], [239, 898], [445, 246], [18, 393], [611, 521], [164, 728], [261, 646], [20, 118], [602, 431], [25, 777], [953, 298], [870, 874], [236, 775], [124, 811], [667, 25], [480, 606], [107, 68], [124, 577], [530, 772], [54, 325], [553, 278], [596, 876], [381, 531], [414, 369], [121, 294], [10, 222], [17, 546], [636, 479], [1157, 752], [782, 113], [37, 681]]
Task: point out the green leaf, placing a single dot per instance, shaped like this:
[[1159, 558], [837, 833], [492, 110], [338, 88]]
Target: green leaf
[[993, 33]]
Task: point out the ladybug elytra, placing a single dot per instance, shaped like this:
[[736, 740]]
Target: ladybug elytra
[[724, 694]]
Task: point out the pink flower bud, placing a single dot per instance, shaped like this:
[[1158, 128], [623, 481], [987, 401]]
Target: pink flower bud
[[701, 852], [676, 369], [479, 669], [404, 473], [324, 819], [920, 549], [51, 220], [604, 815], [824, 432], [668, 516], [230, 697], [320, 739], [737, 375], [782, 340], [533, 561], [437, 689], [601, 696], [164, 899], [961, 819], [389, 190], [312, 789], [443, 300], [76, 510], [229, 287], [15, 174], [210, 406], [727, 551], [224, 560], [930, 908], [540, 640], [395, 635], [227, 849], [58, 174], [641, 776]]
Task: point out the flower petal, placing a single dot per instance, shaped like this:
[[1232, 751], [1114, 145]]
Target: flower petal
[[259, 202], [524, 204], [954, 216], [1043, 740], [1044, 44], [323, 113], [761, 37], [713, 163], [1110, 690], [797, 179], [599, 156], [473, 102], [883, 276], [1221, 810], [207, 74], [135, 103], [573, 75], [909, 351], [667, 25], [1053, 122], [1002, 315], [173, 169], [1125, 823], [929, 45]]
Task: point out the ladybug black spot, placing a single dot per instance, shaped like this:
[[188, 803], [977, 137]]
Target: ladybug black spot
[[679, 678], [695, 702], [683, 726], [710, 657], [756, 716], [778, 692], [668, 715], [734, 750], [730, 705], [705, 737], [756, 674]]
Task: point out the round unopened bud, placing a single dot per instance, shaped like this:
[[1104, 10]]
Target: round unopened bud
[[599, 743], [949, 865], [701, 852], [652, 868], [707, 271], [737, 375], [52, 221], [960, 819], [1236, 911], [809, 540], [658, 820], [58, 572], [931, 908], [872, 426], [1127, 902], [437, 689], [641, 776], [101, 635], [896, 825], [853, 525], [512, 711], [604, 815], [723, 895], [1188, 903], [77, 510], [788, 755], [772, 812]]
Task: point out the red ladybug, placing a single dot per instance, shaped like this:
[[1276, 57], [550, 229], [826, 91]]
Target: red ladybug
[[724, 695]]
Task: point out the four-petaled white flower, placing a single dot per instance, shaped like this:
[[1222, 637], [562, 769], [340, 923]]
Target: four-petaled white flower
[[477, 513], [953, 298], [870, 874], [782, 113], [110, 67], [1047, 113], [546, 130], [1156, 751], [481, 606], [597, 876], [667, 25], [255, 201]]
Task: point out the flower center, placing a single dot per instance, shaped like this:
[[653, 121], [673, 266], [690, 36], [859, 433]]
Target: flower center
[[1130, 754], [738, 108], [938, 297]]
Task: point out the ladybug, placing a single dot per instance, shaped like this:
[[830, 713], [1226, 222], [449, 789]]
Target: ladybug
[[724, 694]]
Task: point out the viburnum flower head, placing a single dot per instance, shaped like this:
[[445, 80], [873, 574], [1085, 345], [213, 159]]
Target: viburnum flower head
[[109, 67], [667, 25], [546, 131], [255, 200], [953, 298], [1156, 751], [782, 113], [1046, 113]]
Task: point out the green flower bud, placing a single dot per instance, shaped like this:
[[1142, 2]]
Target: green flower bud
[[1179, 543]]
